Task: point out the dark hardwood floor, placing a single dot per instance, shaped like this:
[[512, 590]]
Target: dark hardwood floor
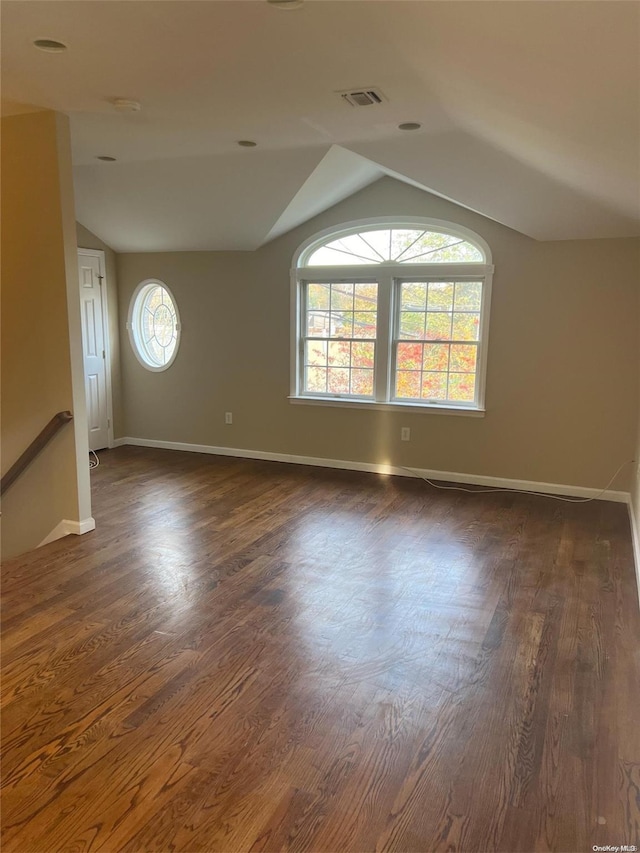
[[251, 656]]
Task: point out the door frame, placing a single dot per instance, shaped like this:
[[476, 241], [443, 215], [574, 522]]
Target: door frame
[[99, 253]]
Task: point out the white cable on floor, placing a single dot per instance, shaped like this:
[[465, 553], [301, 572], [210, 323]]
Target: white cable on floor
[[520, 491], [93, 463]]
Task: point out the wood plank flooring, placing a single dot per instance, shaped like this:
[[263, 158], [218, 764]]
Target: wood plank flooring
[[251, 656]]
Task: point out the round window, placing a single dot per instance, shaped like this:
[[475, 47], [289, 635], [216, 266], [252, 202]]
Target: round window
[[154, 325]]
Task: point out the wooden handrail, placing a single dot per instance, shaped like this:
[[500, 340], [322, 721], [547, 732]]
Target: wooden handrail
[[55, 424]]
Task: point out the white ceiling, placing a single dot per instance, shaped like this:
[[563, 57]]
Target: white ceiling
[[530, 111]]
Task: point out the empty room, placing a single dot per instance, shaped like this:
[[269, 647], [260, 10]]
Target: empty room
[[320, 426]]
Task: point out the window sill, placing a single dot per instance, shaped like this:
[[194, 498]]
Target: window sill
[[430, 408]]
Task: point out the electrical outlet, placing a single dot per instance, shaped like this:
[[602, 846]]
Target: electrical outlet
[[228, 417], [405, 434]]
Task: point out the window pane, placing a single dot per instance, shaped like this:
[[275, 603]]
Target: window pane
[[453, 252], [436, 357], [334, 257], [318, 324], [156, 352], [153, 299], [318, 296], [316, 380], [408, 384], [341, 324], [342, 297], [362, 382], [147, 324], [403, 245], [409, 357], [362, 354], [468, 296], [364, 324], [462, 387], [339, 354], [439, 326], [463, 358], [434, 386], [413, 296], [379, 241], [440, 296], [316, 353], [350, 367], [361, 246], [339, 321], [355, 250], [163, 325], [366, 297], [466, 327], [406, 242], [338, 380], [412, 324], [423, 245]]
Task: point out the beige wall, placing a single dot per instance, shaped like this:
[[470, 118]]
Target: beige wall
[[635, 508], [87, 240], [562, 357], [635, 485], [40, 330]]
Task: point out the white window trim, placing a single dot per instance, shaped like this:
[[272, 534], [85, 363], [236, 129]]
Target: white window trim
[[372, 405], [387, 275], [131, 326]]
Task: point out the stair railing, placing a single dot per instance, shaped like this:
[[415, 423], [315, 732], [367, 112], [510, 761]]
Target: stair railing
[[37, 445]]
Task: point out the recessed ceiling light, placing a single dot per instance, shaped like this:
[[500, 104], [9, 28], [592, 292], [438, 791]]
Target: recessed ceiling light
[[409, 125], [105, 158], [247, 143], [126, 105], [50, 45], [285, 4]]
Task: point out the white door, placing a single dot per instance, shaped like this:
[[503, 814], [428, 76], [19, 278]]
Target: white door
[[93, 348]]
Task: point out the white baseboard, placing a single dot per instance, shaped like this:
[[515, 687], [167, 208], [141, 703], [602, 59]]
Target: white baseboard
[[67, 527], [80, 527], [380, 468]]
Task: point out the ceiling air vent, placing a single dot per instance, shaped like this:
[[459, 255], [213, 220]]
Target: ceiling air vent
[[362, 97]]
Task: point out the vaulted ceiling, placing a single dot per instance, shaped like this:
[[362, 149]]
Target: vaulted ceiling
[[529, 111]]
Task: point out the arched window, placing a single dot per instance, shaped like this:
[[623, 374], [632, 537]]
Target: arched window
[[392, 313], [154, 325]]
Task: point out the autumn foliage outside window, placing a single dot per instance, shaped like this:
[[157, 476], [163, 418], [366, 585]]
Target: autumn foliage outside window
[[341, 320], [437, 343]]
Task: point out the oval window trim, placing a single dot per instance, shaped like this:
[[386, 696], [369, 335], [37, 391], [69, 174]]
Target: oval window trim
[[134, 325]]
